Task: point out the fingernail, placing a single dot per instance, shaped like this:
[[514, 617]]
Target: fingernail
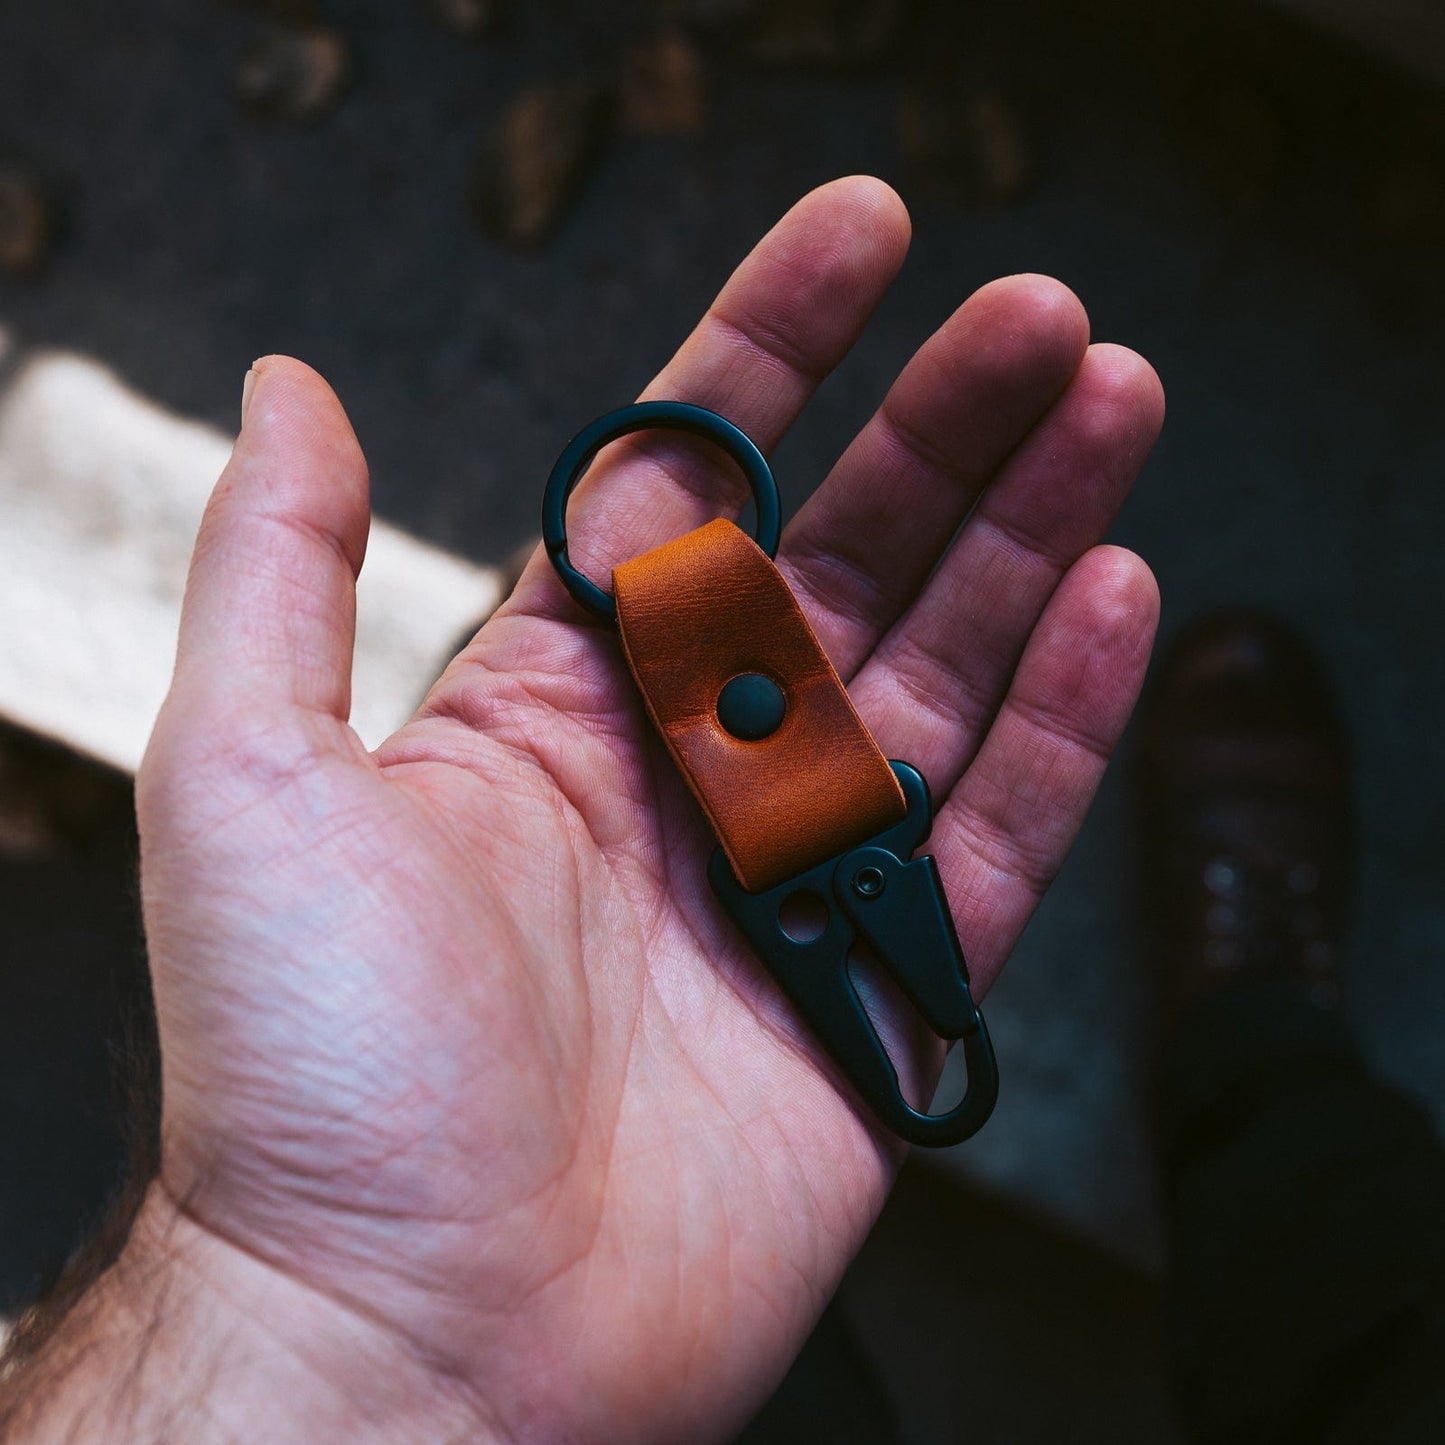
[[247, 387]]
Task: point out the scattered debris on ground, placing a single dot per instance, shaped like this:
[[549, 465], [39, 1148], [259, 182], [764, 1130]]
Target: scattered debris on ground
[[825, 34], [967, 148], [662, 86], [27, 223], [292, 76], [535, 160], [471, 19]]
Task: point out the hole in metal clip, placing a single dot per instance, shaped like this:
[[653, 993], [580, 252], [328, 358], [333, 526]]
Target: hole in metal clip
[[952, 1082], [803, 916], [904, 1033]]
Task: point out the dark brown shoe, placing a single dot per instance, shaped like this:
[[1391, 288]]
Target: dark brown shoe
[[1243, 791]]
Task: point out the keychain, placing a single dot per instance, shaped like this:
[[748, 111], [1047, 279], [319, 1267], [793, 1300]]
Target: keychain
[[801, 799]]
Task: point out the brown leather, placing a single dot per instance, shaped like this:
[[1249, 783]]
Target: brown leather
[[696, 613]]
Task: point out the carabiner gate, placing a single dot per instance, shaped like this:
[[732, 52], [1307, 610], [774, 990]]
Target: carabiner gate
[[879, 892]]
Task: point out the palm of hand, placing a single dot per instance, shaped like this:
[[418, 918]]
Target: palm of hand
[[453, 1032]]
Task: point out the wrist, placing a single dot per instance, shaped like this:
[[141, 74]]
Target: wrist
[[189, 1335]]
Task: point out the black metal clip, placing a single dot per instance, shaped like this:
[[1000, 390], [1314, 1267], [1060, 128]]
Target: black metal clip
[[896, 903]]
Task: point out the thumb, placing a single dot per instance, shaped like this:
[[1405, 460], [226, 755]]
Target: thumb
[[269, 618]]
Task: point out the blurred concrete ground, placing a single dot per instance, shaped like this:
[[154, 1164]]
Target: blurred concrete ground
[[1258, 211]]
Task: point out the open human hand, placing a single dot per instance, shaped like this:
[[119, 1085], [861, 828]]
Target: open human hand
[[477, 1110]]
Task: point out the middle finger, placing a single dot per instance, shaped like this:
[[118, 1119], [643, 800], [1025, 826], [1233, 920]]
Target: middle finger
[[934, 682], [866, 541]]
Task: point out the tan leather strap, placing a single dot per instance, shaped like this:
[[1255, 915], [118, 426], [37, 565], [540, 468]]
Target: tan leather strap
[[705, 609]]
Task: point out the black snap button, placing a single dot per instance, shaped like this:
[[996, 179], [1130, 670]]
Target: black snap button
[[751, 706]]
